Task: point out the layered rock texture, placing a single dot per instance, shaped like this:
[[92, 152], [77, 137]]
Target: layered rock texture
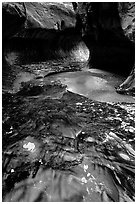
[[105, 37], [67, 134], [106, 28], [111, 18], [13, 18], [38, 15], [127, 15]]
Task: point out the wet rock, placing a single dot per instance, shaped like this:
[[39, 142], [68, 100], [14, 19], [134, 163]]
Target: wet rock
[[69, 190], [43, 31], [105, 37], [59, 145], [124, 156], [36, 88], [128, 86], [29, 90], [41, 154], [127, 15]]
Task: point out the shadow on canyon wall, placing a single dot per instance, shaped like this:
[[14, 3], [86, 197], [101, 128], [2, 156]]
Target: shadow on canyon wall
[[102, 33], [110, 48], [116, 55], [42, 44], [61, 140]]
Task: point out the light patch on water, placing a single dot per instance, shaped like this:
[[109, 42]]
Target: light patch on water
[[85, 167], [88, 190], [89, 139], [84, 180], [84, 109], [78, 104], [130, 149], [93, 87], [41, 161], [88, 174], [117, 177], [131, 129], [29, 146], [97, 83], [113, 135], [9, 132], [124, 156], [77, 132]]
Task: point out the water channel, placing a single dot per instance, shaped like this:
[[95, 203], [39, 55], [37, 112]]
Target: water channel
[[64, 123]]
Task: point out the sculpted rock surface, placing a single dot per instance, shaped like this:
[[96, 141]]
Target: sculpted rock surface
[[49, 15], [127, 15], [31, 15], [13, 18]]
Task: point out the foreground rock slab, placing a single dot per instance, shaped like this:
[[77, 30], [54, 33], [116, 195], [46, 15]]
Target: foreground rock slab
[[60, 146]]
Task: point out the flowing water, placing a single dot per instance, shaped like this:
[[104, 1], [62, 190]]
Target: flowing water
[[92, 83]]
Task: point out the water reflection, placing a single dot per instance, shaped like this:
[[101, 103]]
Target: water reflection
[[94, 86], [60, 146]]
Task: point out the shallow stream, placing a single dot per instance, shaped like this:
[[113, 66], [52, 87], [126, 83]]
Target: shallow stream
[[93, 83], [61, 140]]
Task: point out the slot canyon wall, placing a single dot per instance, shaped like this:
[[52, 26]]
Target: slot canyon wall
[[67, 135], [108, 30]]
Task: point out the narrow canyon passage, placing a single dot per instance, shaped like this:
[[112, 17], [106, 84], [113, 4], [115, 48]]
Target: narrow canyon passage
[[67, 135]]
